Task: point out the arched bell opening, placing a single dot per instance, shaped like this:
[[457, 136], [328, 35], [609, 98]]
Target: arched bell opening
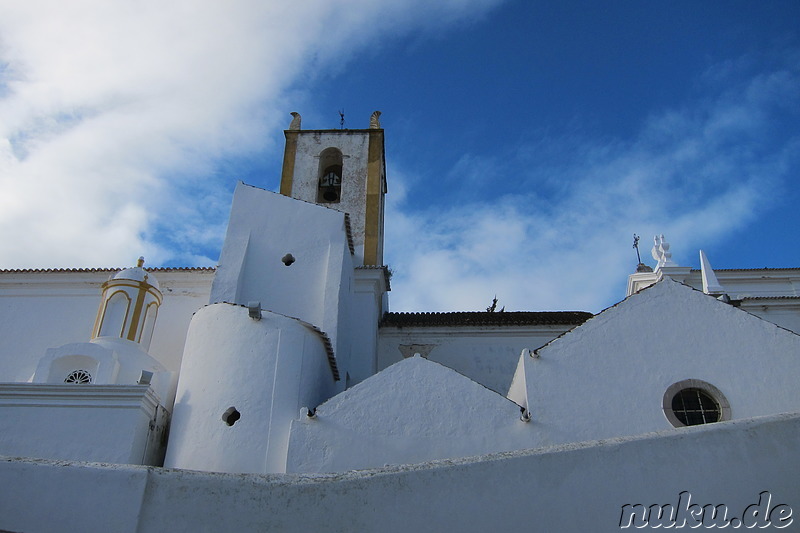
[[329, 188]]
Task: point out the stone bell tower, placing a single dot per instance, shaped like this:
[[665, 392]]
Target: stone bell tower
[[344, 170]]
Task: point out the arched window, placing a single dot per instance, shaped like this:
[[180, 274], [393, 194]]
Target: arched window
[[329, 188], [77, 369], [114, 315], [146, 334], [78, 377]]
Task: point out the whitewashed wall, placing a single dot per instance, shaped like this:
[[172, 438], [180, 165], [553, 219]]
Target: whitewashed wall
[[82, 422], [110, 361], [413, 411], [487, 355], [364, 314], [782, 311], [575, 488], [41, 310], [264, 227], [771, 293]]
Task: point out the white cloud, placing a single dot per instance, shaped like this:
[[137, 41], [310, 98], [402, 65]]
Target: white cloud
[[114, 118], [114, 115], [694, 174]]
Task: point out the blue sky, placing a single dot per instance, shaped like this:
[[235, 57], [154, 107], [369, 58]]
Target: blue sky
[[526, 141]]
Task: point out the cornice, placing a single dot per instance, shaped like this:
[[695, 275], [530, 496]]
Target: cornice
[[70, 395]]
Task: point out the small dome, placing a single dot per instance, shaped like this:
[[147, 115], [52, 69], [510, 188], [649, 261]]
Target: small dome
[[137, 273]]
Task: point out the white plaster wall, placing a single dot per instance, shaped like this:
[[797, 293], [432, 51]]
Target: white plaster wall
[[354, 145], [365, 314], [110, 361], [184, 293], [783, 312], [339, 319], [264, 227], [41, 310], [607, 377], [486, 355], [78, 422], [576, 488], [753, 282], [266, 369], [70, 497], [413, 411], [132, 360], [776, 290]]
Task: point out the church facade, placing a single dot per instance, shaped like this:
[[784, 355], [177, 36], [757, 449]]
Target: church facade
[[285, 360]]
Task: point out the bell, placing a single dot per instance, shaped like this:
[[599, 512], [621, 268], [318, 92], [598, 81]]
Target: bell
[[330, 194]]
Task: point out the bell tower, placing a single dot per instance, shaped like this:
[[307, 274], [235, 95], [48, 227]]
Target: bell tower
[[344, 170]]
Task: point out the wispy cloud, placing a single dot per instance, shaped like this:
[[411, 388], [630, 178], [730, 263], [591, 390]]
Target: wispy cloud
[[116, 119], [696, 174]]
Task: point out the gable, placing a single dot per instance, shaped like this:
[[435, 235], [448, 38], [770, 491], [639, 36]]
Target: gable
[[414, 411], [608, 377]]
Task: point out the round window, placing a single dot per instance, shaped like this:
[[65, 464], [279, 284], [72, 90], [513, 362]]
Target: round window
[[692, 402], [694, 406]]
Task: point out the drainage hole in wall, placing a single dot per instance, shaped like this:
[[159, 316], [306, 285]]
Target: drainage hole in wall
[[288, 259], [231, 415]]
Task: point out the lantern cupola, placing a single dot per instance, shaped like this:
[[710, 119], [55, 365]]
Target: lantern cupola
[[129, 306]]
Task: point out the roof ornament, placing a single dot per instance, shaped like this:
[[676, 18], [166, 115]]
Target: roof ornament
[[295, 124], [341, 119], [140, 261], [640, 267], [492, 308], [661, 253], [375, 121]]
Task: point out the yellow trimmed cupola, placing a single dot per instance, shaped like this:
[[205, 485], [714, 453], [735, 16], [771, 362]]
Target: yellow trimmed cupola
[[129, 306], [117, 353]]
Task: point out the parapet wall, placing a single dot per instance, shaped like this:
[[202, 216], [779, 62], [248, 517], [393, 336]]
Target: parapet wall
[[580, 487]]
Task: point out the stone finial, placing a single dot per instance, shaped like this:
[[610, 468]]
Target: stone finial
[[375, 121], [661, 252], [295, 124], [710, 283], [140, 261], [656, 250]]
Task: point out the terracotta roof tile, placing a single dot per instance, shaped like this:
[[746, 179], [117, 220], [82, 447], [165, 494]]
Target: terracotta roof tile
[[785, 297], [747, 269], [102, 269], [482, 318]]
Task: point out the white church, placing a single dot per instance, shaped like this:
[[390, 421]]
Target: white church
[[278, 392]]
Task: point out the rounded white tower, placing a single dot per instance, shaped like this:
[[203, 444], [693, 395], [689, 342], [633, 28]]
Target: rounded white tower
[[245, 375]]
